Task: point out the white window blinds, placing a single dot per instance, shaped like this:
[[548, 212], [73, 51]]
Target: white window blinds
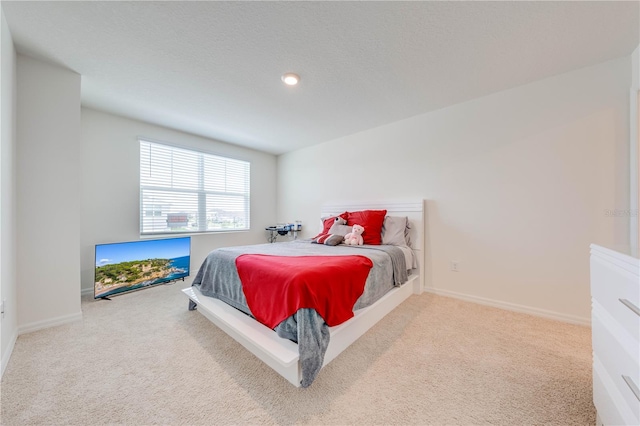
[[183, 191]]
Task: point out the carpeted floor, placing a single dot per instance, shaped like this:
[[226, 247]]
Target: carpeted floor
[[144, 359]]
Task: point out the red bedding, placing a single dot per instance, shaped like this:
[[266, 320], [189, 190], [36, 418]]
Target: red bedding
[[277, 286]]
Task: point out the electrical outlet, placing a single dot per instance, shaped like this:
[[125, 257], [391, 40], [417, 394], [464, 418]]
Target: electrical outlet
[[455, 266]]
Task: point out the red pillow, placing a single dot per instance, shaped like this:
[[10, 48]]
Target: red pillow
[[372, 221], [326, 225]]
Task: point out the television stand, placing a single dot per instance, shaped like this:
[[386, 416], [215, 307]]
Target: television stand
[[173, 281]]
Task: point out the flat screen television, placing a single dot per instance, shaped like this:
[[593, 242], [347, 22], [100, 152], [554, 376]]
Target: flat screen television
[[129, 266]]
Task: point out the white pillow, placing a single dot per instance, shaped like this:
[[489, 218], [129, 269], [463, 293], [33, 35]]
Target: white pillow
[[395, 231]]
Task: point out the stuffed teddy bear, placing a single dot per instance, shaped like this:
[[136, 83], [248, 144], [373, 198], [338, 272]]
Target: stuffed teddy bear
[[354, 238], [336, 233]]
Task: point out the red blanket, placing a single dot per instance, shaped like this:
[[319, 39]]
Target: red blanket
[[277, 286]]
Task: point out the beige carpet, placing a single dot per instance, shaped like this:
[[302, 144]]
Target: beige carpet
[[144, 359]]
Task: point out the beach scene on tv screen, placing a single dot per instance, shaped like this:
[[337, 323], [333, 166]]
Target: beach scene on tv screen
[[130, 266]]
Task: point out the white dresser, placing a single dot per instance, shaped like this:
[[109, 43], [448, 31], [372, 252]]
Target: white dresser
[[615, 322]]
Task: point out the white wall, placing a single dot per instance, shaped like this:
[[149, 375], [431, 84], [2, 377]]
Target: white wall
[[8, 284], [110, 207], [518, 184], [48, 194]]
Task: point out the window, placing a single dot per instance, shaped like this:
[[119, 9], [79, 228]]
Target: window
[[184, 191]]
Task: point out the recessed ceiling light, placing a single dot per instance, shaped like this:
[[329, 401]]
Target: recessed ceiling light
[[290, 78]]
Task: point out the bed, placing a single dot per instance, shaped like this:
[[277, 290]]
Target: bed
[[298, 347]]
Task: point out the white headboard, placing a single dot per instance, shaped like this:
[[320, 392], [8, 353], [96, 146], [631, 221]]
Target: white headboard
[[412, 209]]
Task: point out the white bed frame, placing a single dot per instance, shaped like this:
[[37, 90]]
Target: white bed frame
[[282, 354]]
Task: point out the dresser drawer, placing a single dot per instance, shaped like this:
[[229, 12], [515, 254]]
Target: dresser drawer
[[618, 292], [619, 360], [603, 399], [607, 400]]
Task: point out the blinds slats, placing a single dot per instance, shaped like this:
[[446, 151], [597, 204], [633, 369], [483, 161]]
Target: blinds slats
[[191, 191]]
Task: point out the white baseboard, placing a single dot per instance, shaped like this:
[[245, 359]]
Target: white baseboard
[[7, 354], [571, 319], [40, 325], [86, 291]]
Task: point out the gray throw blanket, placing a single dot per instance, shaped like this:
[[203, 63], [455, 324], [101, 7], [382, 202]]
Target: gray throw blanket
[[218, 277]]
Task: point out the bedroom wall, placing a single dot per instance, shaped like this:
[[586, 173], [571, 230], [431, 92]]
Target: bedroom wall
[[110, 187], [48, 194], [8, 284], [518, 184]]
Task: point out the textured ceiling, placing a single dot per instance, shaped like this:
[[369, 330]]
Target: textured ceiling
[[213, 68]]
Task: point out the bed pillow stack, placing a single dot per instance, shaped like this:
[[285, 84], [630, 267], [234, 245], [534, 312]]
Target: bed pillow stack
[[378, 228]]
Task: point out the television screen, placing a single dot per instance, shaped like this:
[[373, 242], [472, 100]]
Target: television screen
[[123, 267]]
